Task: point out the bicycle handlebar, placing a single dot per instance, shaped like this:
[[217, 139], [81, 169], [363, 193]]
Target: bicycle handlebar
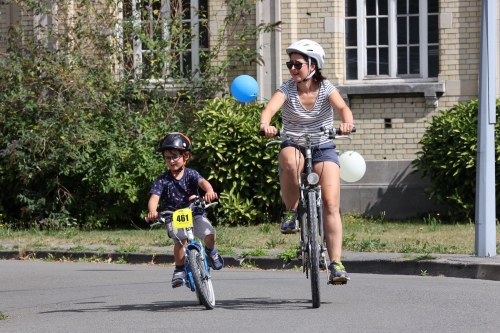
[[332, 132], [198, 202]]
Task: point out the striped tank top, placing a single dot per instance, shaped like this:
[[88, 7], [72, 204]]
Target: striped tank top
[[297, 120]]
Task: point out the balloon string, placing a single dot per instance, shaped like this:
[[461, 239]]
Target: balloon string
[[352, 151], [265, 99], [257, 96]]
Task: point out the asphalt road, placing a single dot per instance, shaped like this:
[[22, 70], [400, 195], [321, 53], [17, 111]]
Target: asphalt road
[[42, 296]]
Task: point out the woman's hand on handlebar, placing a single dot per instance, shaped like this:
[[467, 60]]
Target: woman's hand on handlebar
[[270, 131], [346, 128]]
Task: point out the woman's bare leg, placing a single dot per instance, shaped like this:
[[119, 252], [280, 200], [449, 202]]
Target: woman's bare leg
[[292, 163], [330, 186]]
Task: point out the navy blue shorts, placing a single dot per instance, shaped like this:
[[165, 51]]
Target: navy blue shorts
[[322, 153]]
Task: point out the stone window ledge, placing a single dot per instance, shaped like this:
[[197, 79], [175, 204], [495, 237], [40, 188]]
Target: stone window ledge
[[430, 90]]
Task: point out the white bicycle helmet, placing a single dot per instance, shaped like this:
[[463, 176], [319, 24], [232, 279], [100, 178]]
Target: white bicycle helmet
[[310, 49]]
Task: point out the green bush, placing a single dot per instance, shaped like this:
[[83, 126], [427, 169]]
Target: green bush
[[448, 158], [73, 144], [78, 124], [233, 157]]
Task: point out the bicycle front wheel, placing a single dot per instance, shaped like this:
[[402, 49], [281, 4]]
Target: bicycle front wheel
[[313, 247], [204, 289]]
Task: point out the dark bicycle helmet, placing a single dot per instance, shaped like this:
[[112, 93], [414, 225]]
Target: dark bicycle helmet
[[175, 140]]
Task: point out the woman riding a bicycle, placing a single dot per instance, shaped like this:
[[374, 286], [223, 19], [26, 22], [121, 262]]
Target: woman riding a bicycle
[[307, 100]]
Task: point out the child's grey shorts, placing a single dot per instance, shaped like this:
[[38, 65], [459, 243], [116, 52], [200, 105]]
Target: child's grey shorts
[[201, 228]]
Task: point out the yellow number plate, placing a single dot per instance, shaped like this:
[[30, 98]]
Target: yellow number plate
[[182, 218]]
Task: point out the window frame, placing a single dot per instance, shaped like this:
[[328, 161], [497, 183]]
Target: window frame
[[42, 21], [393, 77], [195, 22]]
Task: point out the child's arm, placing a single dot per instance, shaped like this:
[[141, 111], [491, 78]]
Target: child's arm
[[153, 206], [209, 191]]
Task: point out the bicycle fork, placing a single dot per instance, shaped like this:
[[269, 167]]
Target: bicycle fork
[[304, 237], [322, 245], [304, 188], [190, 245]]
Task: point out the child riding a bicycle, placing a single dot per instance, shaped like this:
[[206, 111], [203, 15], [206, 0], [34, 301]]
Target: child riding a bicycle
[[174, 189]]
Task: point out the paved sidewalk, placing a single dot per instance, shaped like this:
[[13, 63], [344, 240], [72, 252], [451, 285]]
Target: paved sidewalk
[[449, 265]]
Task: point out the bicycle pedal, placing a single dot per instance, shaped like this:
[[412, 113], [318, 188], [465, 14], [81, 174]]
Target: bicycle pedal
[[337, 283], [178, 284]]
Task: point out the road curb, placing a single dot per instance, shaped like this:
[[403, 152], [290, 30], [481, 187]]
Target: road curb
[[437, 267], [424, 268], [129, 257]]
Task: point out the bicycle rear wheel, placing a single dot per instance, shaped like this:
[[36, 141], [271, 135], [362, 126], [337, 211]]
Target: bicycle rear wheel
[[204, 289], [313, 248]]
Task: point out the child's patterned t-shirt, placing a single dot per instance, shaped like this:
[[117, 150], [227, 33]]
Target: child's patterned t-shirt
[[174, 193]]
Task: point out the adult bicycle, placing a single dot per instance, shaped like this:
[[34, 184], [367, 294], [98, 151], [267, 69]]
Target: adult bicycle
[[310, 213], [196, 267]]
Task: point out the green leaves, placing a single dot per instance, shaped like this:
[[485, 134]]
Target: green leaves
[[236, 161], [79, 122], [448, 157]]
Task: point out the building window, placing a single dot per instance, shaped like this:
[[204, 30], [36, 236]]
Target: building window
[[178, 26], [391, 39]]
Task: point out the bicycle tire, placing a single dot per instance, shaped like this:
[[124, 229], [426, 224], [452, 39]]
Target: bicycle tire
[[313, 248], [198, 297], [302, 211], [196, 263], [208, 281], [211, 294]]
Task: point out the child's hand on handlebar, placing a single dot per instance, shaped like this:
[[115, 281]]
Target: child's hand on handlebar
[[209, 196], [152, 216]]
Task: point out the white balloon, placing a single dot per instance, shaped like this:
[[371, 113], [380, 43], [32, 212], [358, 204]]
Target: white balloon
[[352, 166]]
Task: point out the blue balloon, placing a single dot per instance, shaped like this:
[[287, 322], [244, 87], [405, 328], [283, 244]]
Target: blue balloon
[[244, 88]]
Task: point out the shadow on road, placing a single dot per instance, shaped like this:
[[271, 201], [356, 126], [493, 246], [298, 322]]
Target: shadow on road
[[174, 306], [265, 304]]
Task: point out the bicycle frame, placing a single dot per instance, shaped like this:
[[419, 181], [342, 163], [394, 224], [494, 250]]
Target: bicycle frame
[[310, 214], [192, 244], [306, 186], [194, 248]]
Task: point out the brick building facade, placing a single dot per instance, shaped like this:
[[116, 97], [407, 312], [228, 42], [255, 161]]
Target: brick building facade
[[390, 110], [396, 63]]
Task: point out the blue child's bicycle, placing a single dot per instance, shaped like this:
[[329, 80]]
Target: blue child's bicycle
[[197, 270]]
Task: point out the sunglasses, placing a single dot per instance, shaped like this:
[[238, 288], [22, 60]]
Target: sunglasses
[[174, 158], [297, 64]]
